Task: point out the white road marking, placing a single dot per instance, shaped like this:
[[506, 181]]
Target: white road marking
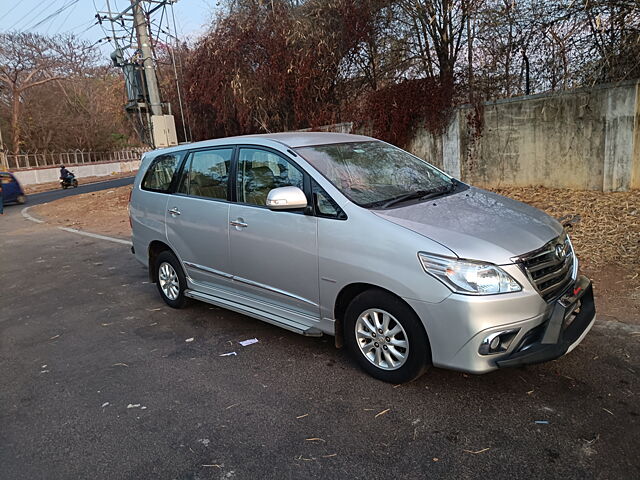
[[26, 215], [29, 217], [95, 235]]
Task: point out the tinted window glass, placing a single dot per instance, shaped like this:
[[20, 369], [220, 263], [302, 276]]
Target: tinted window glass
[[260, 171], [207, 174], [160, 172], [325, 205]]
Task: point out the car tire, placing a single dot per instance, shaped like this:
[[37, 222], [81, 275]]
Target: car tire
[[21, 199], [402, 353], [170, 280]]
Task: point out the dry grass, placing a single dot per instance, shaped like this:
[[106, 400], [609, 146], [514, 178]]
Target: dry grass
[[608, 231]]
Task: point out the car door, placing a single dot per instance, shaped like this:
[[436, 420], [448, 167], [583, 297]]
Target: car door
[[273, 253], [197, 217], [10, 189]]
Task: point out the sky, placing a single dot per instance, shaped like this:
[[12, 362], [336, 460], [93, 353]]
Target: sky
[[78, 17]]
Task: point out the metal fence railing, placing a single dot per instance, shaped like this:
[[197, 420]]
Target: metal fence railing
[[73, 157]]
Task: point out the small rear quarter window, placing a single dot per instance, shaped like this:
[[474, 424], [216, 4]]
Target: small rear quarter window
[[160, 173]]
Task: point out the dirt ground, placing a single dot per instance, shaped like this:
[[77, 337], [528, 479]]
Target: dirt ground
[[606, 236], [105, 211], [45, 187]]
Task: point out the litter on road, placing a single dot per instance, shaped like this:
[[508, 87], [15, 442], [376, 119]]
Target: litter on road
[[133, 405], [251, 341], [383, 412], [189, 340], [542, 422], [228, 354], [105, 404], [478, 452]]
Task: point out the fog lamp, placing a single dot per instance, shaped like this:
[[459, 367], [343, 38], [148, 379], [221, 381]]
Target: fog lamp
[[497, 342]]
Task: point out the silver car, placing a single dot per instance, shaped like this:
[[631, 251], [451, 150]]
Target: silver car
[[345, 235]]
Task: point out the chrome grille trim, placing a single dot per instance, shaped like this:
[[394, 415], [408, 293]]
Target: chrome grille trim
[[549, 273]]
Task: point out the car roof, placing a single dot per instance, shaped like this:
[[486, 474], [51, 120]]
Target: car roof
[[288, 139], [308, 139]]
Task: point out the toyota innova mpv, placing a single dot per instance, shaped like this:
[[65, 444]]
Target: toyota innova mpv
[[346, 235]]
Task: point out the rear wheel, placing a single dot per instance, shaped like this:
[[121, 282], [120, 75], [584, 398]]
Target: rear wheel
[[386, 337], [171, 280]]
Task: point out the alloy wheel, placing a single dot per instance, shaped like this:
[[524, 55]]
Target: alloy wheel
[[168, 279], [382, 339]]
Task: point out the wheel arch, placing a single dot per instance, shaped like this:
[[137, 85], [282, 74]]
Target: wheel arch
[[344, 298], [156, 248]]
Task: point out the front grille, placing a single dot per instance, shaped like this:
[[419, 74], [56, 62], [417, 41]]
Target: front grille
[[551, 268]]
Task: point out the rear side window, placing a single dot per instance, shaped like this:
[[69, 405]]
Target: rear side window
[[160, 173], [206, 174]]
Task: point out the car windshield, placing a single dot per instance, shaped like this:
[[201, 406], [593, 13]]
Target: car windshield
[[376, 174]]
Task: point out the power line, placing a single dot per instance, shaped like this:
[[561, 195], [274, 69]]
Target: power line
[[16, 5], [54, 14], [37, 5], [71, 10]]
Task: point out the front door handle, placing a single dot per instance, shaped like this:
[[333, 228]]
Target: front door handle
[[174, 211], [238, 223]]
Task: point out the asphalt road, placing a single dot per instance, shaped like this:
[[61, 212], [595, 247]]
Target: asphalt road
[[100, 381], [44, 197]]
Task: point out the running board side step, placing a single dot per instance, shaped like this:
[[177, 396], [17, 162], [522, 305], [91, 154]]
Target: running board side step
[[255, 313]]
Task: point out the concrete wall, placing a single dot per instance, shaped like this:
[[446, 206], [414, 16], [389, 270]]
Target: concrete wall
[[43, 175], [583, 139]]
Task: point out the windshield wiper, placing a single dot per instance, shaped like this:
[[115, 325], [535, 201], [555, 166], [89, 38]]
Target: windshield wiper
[[419, 194]]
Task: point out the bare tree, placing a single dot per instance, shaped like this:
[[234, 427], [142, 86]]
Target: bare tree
[[29, 60]]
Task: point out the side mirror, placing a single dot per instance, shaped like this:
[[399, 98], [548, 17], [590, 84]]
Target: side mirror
[[286, 198]]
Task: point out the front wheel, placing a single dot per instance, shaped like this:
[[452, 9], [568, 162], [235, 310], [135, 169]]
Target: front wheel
[[21, 199], [386, 337], [75, 183], [171, 280]]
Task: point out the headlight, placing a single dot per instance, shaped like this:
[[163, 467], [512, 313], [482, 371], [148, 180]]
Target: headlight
[[467, 277]]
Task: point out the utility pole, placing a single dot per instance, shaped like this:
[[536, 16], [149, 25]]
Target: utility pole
[[142, 34], [144, 103]]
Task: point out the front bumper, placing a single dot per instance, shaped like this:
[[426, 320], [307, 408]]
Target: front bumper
[[458, 326], [571, 319]]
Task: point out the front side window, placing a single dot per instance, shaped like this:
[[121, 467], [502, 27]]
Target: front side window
[[374, 173], [160, 173], [260, 171], [206, 174]]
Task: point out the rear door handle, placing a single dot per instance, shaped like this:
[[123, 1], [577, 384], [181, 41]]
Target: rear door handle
[[238, 223], [174, 211]]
